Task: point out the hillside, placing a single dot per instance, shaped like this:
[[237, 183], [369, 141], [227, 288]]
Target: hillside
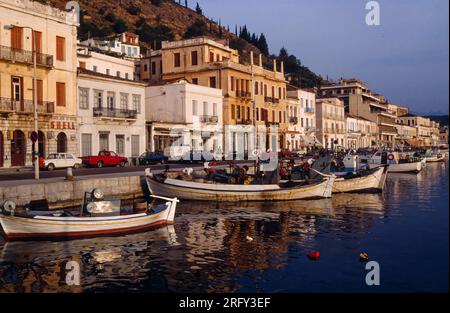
[[158, 20], [442, 119]]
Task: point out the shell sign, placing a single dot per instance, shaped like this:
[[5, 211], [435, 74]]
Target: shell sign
[[62, 125]]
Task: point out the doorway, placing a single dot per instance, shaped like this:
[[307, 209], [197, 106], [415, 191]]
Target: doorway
[[61, 143], [18, 148]]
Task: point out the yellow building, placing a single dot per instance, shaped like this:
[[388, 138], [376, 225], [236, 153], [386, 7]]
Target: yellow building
[[54, 33], [330, 120], [214, 64], [361, 102], [422, 126]]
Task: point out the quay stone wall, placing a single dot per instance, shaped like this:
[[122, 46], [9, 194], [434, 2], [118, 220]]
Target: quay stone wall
[[65, 193]]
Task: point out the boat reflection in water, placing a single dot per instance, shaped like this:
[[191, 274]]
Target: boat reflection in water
[[40, 266], [221, 247]]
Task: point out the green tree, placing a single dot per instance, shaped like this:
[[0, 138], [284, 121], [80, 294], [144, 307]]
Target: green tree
[[120, 26], [198, 28], [262, 45], [198, 9]]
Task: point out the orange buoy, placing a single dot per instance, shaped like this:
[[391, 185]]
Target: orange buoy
[[363, 257], [314, 255]]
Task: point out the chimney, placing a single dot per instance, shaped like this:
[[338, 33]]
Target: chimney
[[274, 65], [251, 57], [282, 67], [260, 59]]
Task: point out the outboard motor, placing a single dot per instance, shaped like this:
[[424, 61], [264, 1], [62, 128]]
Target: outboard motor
[[384, 157]]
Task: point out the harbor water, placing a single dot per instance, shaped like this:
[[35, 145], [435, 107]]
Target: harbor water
[[261, 247]]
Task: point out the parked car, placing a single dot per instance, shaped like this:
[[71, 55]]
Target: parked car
[[105, 158], [59, 160], [147, 158]]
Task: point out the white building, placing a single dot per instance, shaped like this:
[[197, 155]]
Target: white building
[[186, 112], [126, 44], [104, 64], [360, 132], [110, 107], [301, 108]]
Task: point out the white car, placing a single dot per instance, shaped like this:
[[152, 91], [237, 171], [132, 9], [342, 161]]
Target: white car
[[61, 160]]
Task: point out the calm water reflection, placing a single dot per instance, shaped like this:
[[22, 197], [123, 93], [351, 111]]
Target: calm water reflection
[[260, 247]]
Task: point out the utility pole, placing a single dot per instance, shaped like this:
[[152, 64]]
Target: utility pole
[[36, 142]]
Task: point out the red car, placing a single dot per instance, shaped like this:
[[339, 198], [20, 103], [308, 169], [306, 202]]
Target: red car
[[105, 158]]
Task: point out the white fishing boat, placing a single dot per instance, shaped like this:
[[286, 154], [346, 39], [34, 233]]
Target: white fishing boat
[[396, 163], [103, 218], [191, 190], [412, 167], [373, 181]]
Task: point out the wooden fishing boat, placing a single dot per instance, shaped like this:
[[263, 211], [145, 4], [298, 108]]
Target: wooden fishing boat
[[373, 181], [104, 221], [190, 190], [435, 158], [412, 167]]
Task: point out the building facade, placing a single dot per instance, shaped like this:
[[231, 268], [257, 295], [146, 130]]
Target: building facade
[[330, 121], [422, 126], [26, 26], [111, 108], [184, 114], [361, 102], [254, 97], [301, 114], [360, 132]]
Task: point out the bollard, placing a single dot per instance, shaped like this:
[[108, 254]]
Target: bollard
[[69, 174]]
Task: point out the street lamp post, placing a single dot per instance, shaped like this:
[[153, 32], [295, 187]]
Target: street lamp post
[[36, 143]]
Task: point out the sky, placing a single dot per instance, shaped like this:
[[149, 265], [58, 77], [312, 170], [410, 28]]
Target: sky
[[405, 58]]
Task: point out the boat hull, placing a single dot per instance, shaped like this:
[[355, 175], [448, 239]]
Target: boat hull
[[372, 183], [46, 227], [414, 167], [218, 192], [434, 159]]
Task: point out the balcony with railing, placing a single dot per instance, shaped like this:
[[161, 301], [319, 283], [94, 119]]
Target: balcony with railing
[[8, 105], [241, 121], [272, 100], [269, 124], [293, 120], [25, 56], [209, 119], [335, 117], [243, 94], [309, 110], [115, 113], [311, 129]]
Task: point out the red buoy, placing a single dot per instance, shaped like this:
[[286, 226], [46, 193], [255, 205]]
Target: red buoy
[[314, 255]]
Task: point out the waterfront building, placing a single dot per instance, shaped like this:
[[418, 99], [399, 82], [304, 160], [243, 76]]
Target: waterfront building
[[422, 126], [406, 136], [149, 67], [185, 114], [110, 105], [443, 137], [360, 132], [253, 95], [330, 121], [435, 126], [361, 102], [54, 33], [301, 114]]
